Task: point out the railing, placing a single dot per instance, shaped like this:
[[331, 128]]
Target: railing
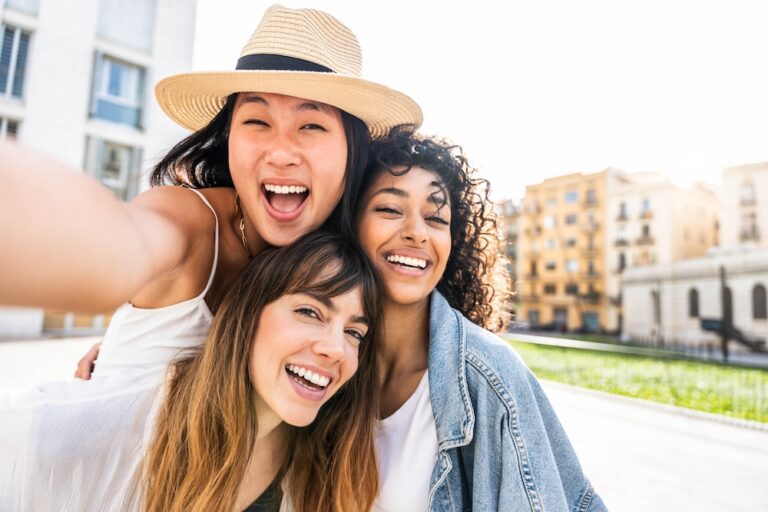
[[644, 240]]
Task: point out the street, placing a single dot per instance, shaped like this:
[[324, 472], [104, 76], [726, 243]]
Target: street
[[639, 457]]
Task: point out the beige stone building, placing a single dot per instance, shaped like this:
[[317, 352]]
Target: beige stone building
[[653, 221], [745, 205]]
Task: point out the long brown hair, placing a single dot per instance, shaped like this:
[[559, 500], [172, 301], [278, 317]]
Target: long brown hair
[[206, 429]]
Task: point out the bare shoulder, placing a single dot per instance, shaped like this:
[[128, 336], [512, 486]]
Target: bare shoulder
[[184, 207]]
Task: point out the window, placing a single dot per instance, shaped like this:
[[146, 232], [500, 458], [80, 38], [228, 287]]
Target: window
[[747, 193], [550, 265], [693, 303], [622, 211], [28, 6], [645, 206], [570, 242], [622, 261], [572, 196], [129, 22], [550, 221], [571, 265], [759, 309], [13, 61], [749, 226], [550, 289], [572, 289], [646, 231], [656, 304], [533, 318], [591, 196], [114, 165], [551, 202], [551, 243], [117, 91], [8, 128], [571, 218]]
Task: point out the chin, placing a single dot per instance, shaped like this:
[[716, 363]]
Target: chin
[[300, 419]]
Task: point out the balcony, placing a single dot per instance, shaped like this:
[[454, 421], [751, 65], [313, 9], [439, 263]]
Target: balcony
[[645, 240], [622, 217], [749, 235], [590, 203], [531, 277], [590, 298], [528, 298], [590, 252], [647, 214], [592, 275], [615, 300], [590, 226], [621, 242]]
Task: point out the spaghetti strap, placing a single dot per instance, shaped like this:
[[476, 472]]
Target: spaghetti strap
[[215, 242]]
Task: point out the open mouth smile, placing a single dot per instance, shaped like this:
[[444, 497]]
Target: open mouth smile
[[285, 200], [306, 378], [408, 262]]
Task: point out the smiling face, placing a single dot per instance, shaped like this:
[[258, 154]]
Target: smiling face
[[404, 228], [287, 158], [304, 350]]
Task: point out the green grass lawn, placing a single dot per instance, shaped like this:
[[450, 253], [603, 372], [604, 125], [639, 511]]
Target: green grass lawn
[[736, 392]]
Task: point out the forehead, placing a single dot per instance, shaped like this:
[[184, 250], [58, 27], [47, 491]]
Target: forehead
[[270, 100], [416, 181]]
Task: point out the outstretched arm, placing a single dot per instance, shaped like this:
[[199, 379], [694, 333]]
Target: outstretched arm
[[67, 243]]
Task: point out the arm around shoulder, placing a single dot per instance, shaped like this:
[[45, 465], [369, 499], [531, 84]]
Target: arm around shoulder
[[68, 243]]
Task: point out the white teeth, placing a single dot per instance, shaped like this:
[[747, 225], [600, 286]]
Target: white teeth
[[314, 378], [405, 260], [286, 189]]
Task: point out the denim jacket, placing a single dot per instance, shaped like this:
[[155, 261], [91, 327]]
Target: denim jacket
[[500, 444]]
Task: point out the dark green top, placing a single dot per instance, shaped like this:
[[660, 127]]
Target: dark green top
[[270, 499]]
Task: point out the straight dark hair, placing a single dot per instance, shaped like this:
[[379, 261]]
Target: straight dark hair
[[201, 160], [207, 426]]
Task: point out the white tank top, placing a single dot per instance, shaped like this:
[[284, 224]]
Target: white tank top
[[406, 449], [78, 445], [148, 339]]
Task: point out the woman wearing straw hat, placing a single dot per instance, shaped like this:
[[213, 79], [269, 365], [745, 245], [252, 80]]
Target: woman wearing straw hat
[[278, 150]]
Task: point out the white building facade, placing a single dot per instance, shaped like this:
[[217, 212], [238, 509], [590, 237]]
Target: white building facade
[[667, 302], [76, 83]]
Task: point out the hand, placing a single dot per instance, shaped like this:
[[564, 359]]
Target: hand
[[86, 364]]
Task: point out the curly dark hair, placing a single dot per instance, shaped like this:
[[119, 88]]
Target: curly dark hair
[[476, 281]]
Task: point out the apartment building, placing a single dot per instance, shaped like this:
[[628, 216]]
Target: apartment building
[[745, 205], [653, 221], [76, 83], [561, 252]]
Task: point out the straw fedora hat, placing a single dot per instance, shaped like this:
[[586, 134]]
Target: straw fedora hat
[[297, 52]]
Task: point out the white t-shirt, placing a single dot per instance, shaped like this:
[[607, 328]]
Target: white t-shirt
[[406, 448]]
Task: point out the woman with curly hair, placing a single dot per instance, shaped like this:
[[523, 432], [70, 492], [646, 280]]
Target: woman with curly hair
[[465, 425]]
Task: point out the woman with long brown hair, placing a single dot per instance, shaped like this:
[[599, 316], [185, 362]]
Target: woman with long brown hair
[[284, 385]]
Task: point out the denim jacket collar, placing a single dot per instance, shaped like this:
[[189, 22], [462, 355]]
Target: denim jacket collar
[[454, 416]]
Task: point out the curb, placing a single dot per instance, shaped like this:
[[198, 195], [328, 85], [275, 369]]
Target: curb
[[671, 409]]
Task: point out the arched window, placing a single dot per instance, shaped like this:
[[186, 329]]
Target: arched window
[[693, 303], [759, 309]]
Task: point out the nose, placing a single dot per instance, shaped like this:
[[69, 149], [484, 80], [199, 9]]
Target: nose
[[414, 230], [282, 151], [332, 345]]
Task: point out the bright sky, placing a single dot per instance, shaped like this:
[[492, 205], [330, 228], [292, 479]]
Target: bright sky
[[539, 88]]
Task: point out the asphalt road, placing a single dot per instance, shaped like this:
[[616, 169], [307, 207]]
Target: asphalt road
[[639, 457]]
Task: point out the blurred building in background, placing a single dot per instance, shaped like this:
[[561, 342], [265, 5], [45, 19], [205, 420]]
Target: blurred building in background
[[579, 233], [561, 266], [668, 302], [76, 83], [653, 221]]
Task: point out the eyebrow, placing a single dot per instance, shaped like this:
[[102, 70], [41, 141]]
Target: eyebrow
[[402, 193], [327, 302], [306, 105]]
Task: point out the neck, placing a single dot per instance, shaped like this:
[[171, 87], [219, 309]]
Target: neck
[[405, 337], [255, 244], [267, 457]]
